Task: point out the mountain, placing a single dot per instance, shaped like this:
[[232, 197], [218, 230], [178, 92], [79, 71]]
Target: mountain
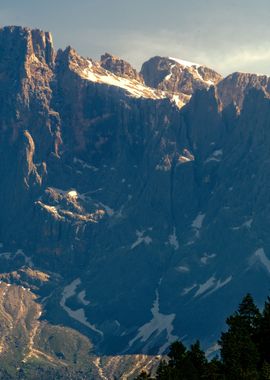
[[134, 206]]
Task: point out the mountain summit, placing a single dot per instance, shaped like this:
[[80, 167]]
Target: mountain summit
[[176, 75]]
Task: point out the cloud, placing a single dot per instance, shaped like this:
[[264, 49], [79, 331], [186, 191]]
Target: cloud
[[253, 58]]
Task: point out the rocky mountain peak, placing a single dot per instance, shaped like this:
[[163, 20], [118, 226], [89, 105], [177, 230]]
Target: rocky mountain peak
[[23, 43], [234, 87], [42, 43], [69, 58], [176, 75], [119, 67]]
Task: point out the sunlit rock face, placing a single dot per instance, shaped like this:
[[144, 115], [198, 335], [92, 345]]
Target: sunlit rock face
[[119, 67], [143, 197], [235, 87], [177, 75]]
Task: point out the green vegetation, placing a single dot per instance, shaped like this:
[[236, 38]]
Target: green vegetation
[[244, 351]]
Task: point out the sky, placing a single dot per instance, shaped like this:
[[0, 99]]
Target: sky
[[226, 35]]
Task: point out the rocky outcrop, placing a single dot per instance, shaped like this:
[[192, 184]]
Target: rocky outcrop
[[234, 88], [26, 63], [119, 67]]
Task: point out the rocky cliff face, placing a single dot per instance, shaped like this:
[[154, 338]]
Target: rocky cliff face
[[149, 217]]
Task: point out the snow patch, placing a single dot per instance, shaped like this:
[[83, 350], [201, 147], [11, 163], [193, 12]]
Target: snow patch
[[184, 63], [205, 286], [197, 224], [159, 323], [79, 315], [81, 297], [261, 256], [198, 221], [218, 153], [193, 69], [6, 255], [141, 239], [220, 285], [211, 286], [216, 156], [211, 159], [133, 87], [248, 223], [188, 289], [212, 350], [173, 240], [205, 258], [10, 255], [84, 164], [72, 194], [183, 269]]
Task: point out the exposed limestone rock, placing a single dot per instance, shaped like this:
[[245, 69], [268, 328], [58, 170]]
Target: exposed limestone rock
[[119, 67]]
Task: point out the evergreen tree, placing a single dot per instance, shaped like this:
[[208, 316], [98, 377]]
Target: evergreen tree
[[239, 350], [162, 370], [245, 351], [198, 359], [250, 314], [176, 364], [177, 354], [214, 370], [264, 333], [183, 364], [265, 372]]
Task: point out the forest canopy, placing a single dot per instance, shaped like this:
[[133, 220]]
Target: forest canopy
[[244, 350]]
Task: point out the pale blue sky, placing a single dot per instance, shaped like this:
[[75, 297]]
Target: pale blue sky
[[228, 35]]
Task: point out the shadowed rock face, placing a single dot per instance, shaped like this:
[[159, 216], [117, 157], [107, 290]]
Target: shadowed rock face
[[148, 217]]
